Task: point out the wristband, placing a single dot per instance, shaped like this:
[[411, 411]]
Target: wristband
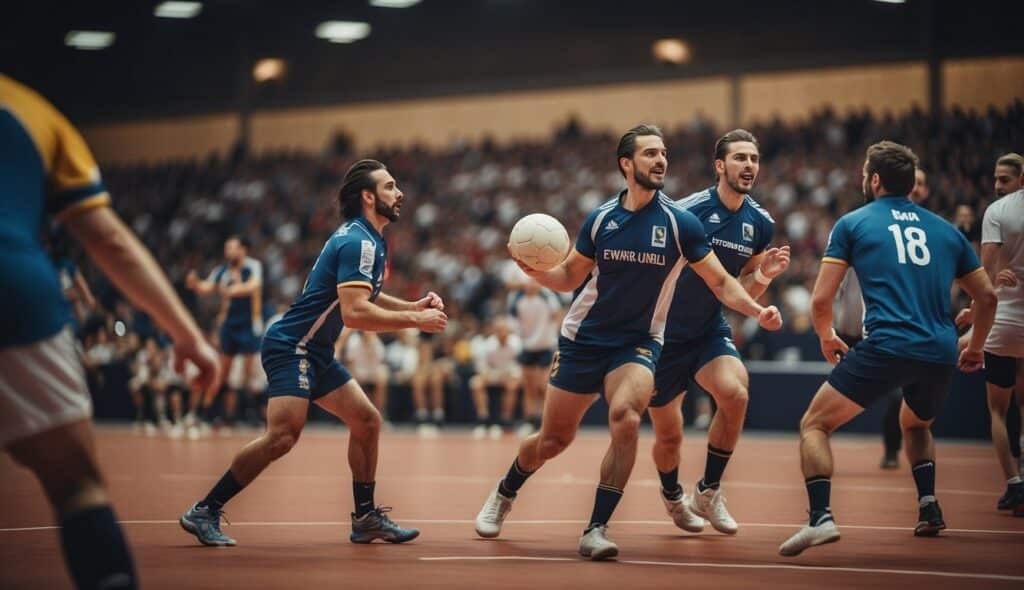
[[761, 278]]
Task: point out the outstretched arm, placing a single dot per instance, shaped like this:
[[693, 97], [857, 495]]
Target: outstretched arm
[[759, 271], [731, 293], [566, 276], [358, 312]]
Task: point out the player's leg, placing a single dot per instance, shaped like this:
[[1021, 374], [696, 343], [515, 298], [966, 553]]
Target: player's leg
[[249, 392], [892, 435], [724, 378], [1000, 377], [478, 389], [418, 388], [380, 391], [440, 373], [667, 421], [510, 388], [533, 395]]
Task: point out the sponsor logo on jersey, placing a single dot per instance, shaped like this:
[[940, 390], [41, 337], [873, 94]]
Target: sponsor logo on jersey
[[366, 256], [611, 225], [715, 218], [748, 232], [658, 236], [745, 250], [634, 256]]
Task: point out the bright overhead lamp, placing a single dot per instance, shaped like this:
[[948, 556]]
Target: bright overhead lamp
[[394, 3], [342, 31], [269, 69], [671, 51], [176, 9], [90, 40], [892, 1]]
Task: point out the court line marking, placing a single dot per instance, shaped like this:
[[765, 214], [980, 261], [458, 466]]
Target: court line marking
[[769, 566], [664, 523]]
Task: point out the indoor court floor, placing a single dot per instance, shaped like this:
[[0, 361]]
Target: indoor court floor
[[292, 523]]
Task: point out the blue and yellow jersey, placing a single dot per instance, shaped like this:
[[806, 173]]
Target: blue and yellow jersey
[[355, 255], [243, 313], [638, 256], [46, 172], [906, 258], [736, 237]]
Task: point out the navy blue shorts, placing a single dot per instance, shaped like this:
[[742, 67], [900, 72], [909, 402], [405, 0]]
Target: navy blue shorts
[[578, 368], [238, 340], [536, 358], [866, 374], [1000, 371], [680, 362], [308, 375]]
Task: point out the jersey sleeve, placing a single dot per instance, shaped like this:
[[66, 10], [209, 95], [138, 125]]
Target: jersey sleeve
[[585, 240], [255, 270], [967, 261], [216, 274], [838, 248], [75, 183], [991, 228], [355, 262], [692, 240]]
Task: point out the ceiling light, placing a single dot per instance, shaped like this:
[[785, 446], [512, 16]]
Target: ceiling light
[[269, 69], [394, 3], [89, 39], [178, 9], [892, 1], [671, 51], [342, 31]]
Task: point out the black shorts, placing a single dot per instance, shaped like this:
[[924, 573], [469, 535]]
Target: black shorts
[[1000, 371], [866, 374], [536, 358]]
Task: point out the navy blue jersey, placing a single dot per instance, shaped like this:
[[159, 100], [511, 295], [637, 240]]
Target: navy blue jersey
[[735, 236], [244, 313], [906, 258], [46, 172], [355, 255], [638, 256]]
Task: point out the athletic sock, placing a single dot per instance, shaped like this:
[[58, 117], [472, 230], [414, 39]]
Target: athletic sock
[[514, 479], [605, 501], [670, 487], [363, 492], [1015, 484], [819, 491], [95, 550], [421, 416], [714, 467], [924, 478], [227, 488]]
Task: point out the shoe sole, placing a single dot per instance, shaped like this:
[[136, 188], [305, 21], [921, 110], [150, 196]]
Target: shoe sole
[[825, 541], [365, 539], [715, 526], [928, 530], [194, 530], [602, 554], [488, 534]]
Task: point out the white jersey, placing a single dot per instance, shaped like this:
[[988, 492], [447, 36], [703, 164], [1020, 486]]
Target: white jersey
[[364, 351], [535, 317], [490, 355], [1004, 224]]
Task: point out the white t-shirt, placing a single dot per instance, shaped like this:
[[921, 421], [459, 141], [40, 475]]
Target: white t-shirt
[[535, 318], [490, 355], [1004, 224]]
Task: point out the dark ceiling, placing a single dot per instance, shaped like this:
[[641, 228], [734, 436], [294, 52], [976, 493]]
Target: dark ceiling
[[166, 66]]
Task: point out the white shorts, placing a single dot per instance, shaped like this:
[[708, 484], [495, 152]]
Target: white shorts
[[42, 386], [1006, 340]]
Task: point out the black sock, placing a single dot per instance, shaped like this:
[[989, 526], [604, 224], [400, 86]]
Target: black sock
[[819, 490], [605, 501], [670, 487], [363, 493], [95, 550], [924, 478], [514, 479], [714, 467], [208, 414], [227, 488]]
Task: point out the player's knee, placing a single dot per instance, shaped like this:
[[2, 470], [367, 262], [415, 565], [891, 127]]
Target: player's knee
[[282, 441], [367, 424], [625, 423], [669, 441], [811, 421], [733, 397], [552, 444]]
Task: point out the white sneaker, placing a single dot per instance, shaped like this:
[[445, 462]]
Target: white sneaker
[[479, 432], [176, 431], [525, 429], [495, 432], [809, 536], [681, 514], [710, 505], [596, 545], [192, 432], [492, 515]]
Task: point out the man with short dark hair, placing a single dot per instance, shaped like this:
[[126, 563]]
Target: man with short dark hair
[[907, 259]]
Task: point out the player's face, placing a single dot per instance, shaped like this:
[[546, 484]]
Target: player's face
[[740, 166], [1007, 181], [387, 198], [920, 192], [234, 252], [650, 162]]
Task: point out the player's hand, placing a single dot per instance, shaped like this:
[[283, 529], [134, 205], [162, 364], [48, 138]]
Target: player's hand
[[971, 360], [965, 317], [775, 262], [1007, 278], [199, 352], [833, 348], [431, 301], [530, 272], [770, 318], [431, 320], [191, 280]]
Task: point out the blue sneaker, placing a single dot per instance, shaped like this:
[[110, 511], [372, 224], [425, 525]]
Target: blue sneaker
[[376, 525], [204, 523]]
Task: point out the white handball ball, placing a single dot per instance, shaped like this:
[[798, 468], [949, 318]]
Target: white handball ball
[[539, 241]]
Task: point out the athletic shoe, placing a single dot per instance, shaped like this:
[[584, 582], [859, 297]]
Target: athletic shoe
[[681, 514], [710, 505], [479, 432], [495, 431], [889, 462], [525, 430], [492, 515], [376, 525], [1011, 498], [929, 519], [596, 545], [204, 523], [825, 531]]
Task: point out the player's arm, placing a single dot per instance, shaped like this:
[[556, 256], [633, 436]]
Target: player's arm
[[83, 291], [731, 293], [983, 296], [246, 288], [390, 303], [567, 276], [830, 276], [200, 286], [760, 270], [359, 313], [989, 261]]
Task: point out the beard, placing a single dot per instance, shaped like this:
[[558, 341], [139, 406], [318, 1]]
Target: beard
[[734, 184], [385, 210], [647, 182], [868, 195]]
